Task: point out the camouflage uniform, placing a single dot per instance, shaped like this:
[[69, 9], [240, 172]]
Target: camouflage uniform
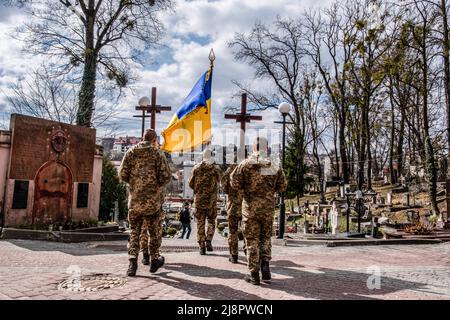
[[144, 239], [204, 181], [259, 180], [234, 210], [146, 171]]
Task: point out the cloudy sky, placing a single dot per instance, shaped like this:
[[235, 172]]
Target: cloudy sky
[[193, 29]]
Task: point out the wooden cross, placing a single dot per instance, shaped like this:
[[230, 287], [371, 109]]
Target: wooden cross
[[243, 117], [153, 109], [143, 116]]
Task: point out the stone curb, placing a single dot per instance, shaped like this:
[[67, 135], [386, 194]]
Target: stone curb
[[63, 236], [60, 236], [101, 229], [346, 243]]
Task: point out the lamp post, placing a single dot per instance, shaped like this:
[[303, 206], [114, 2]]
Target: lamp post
[[284, 109], [348, 213], [143, 102], [359, 199]]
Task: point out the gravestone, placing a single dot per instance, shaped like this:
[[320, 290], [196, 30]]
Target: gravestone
[[380, 200], [413, 216], [389, 198], [334, 217], [52, 172], [342, 191], [406, 199]]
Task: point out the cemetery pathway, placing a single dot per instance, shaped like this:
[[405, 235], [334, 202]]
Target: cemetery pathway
[[35, 270]]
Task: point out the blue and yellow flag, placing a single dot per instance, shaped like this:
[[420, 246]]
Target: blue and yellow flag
[[191, 124]]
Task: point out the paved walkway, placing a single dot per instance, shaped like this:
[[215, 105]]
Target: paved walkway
[[35, 269]]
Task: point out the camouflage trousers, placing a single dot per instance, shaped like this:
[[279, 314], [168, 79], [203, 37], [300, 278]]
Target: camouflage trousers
[[258, 235], [144, 239], [202, 216], [233, 240], [154, 234]]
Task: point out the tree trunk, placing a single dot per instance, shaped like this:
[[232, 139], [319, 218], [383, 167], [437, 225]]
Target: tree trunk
[[446, 55], [343, 165], [87, 90], [430, 160], [391, 147], [362, 148], [369, 152], [336, 154], [401, 139]]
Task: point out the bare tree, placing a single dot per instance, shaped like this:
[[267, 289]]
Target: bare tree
[[44, 95], [92, 38], [328, 41], [420, 24], [277, 56]]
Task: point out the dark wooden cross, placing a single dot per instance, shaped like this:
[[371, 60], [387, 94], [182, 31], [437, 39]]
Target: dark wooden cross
[[243, 117], [153, 109]]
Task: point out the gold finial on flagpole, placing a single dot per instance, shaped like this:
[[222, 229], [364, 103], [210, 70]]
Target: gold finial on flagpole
[[212, 56]]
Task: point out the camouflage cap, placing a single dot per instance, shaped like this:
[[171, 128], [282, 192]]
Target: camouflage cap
[[149, 135]]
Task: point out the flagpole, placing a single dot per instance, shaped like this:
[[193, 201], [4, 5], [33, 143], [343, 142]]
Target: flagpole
[[212, 57]]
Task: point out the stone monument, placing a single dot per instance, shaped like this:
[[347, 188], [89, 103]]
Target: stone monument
[[50, 172]]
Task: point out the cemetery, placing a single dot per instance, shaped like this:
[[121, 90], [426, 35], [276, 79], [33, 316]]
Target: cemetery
[[384, 214], [304, 147]]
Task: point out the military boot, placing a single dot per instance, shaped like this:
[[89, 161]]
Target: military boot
[[209, 246], [253, 278], [146, 259], [132, 267], [265, 271], [202, 250], [156, 264], [233, 258]]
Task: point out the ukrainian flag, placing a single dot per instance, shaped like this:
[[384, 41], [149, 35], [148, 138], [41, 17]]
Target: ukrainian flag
[[191, 124]]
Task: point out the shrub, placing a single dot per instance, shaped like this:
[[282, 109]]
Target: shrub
[[112, 189], [172, 231], [421, 228]]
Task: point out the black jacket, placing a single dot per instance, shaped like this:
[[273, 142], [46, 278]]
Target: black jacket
[[185, 216]]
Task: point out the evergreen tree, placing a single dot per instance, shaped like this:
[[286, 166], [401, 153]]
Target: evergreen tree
[[112, 190]]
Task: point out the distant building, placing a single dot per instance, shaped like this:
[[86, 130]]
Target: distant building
[[123, 144], [108, 145]]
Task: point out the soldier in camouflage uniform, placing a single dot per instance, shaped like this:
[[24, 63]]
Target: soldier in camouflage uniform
[[147, 172], [144, 237], [234, 213], [259, 179], [204, 181], [143, 243]]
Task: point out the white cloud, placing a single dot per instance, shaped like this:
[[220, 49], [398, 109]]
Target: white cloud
[[194, 28]]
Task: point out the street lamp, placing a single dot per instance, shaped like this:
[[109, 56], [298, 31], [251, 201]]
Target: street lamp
[[359, 199], [284, 109], [144, 102]]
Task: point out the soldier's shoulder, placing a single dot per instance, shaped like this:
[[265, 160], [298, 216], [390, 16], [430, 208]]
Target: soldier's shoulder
[[160, 152], [136, 147], [229, 170], [131, 151], [244, 164]]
